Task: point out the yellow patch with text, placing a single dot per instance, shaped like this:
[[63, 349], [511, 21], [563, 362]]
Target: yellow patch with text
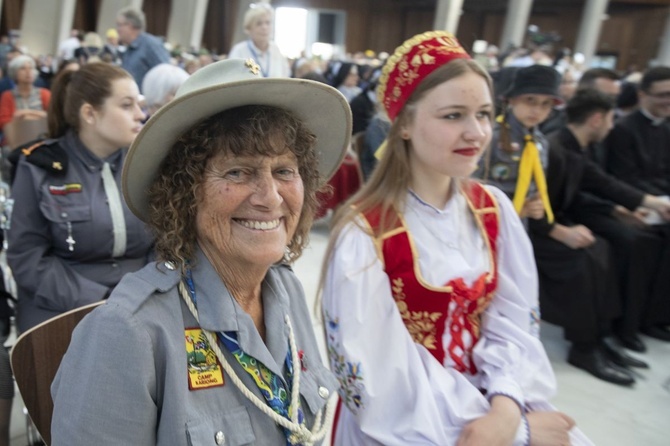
[[204, 369]]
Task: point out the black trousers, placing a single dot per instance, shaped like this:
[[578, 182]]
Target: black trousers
[[577, 289], [642, 273]]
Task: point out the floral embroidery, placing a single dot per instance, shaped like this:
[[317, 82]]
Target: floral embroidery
[[348, 374], [420, 324]]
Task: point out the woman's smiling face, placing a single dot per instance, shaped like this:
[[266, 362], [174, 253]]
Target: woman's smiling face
[[249, 207]]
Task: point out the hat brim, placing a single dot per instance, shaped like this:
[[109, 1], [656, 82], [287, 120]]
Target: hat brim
[[320, 107]]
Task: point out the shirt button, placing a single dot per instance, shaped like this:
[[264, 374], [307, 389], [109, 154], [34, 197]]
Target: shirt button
[[323, 392], [115, 265], [63, 214], [220, 438]]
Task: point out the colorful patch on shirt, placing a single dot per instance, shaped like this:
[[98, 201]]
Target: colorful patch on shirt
[[65, 189], [500, 172], [535, 317], [204, 370], [349, 374]]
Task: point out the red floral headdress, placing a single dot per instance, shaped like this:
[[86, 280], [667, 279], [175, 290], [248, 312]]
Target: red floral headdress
[[411, 62]]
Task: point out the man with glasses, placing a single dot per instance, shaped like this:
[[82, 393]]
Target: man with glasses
[[143, 50], [638, 152]]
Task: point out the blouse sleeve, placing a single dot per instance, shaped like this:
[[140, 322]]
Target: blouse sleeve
[[397, 391], [509, 355]]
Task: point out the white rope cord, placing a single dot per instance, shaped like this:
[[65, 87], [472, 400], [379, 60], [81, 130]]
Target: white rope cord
[[299, 433]]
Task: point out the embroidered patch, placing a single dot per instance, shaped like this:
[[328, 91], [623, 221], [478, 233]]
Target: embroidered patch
[[204, 370], [500, 172], [349, 375], [69, 188]]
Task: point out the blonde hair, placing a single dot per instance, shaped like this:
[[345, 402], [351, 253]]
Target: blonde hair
[[387, 187], [256, 11]]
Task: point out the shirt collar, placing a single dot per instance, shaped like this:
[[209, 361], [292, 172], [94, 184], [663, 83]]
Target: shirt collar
[[219, 311], [416, 202], [90, 160], [655, 121]]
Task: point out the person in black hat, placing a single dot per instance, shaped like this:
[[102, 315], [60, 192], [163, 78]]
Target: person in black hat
[[577, 288]]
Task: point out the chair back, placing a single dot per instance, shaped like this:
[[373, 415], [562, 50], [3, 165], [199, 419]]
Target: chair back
[[35, 359], [21, 131]]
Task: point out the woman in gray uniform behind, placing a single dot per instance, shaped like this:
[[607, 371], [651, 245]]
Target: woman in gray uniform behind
[[72, 237]]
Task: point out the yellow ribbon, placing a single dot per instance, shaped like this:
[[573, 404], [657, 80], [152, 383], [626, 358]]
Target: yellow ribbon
[[530, 167]]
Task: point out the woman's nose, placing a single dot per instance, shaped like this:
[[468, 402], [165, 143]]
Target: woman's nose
[[267, 192]]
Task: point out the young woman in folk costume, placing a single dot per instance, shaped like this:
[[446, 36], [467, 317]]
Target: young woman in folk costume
[[429, 286]]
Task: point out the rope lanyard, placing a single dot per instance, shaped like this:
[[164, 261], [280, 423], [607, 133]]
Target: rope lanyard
[[299, 433]]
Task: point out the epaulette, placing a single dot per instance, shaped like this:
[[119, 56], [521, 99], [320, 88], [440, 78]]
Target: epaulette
[[48, 155]]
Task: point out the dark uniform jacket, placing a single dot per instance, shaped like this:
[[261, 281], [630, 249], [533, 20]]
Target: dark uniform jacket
[[574, 182], [59, 196], [638, 152]]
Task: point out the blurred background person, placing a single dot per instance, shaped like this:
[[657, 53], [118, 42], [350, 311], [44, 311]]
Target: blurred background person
[[143, 50], [161, 84], [259, 47], [24, 101], [346, 80]]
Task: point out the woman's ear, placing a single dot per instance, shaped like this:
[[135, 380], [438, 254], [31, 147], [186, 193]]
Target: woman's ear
[[87, 114]]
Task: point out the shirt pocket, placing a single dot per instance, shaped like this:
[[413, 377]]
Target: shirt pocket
[[317, 385], [230, 428], [65, 221]]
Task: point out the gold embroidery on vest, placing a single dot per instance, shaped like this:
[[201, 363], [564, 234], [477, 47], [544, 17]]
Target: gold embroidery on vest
[[419, 324]]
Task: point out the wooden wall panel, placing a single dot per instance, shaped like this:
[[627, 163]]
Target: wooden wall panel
[[12, 11], [157, 13]]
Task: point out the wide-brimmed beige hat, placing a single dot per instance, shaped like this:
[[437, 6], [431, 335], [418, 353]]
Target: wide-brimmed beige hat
[[224, 85]]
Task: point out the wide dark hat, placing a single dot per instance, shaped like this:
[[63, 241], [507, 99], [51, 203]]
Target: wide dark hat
[[536, 79]]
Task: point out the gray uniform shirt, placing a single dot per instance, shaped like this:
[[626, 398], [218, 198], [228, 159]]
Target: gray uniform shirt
[[51, 279], [504, 165], [124, 379]]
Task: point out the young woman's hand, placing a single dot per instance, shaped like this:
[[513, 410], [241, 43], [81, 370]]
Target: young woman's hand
[[549, 428], [497, 428]]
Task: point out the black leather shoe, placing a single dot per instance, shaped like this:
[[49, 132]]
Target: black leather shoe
[[657, 333], [633, 342], [617, 355], [597, 364]]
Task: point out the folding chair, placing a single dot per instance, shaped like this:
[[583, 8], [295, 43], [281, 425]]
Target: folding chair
[[35, 359]]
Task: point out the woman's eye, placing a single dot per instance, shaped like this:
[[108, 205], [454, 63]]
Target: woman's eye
[[484, 114], [286, 172], [233, 174], [451, 116]]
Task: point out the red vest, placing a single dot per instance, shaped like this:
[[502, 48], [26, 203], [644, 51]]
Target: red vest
[[426, 309]]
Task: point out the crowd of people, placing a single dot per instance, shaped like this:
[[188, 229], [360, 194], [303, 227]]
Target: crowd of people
[[488, 194]]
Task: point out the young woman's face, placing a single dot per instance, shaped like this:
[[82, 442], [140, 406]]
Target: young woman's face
[[119, 120], [451, 128], [531, 109]]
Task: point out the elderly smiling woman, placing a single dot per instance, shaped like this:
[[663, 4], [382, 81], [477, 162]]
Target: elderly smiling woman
[[214, 343]]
